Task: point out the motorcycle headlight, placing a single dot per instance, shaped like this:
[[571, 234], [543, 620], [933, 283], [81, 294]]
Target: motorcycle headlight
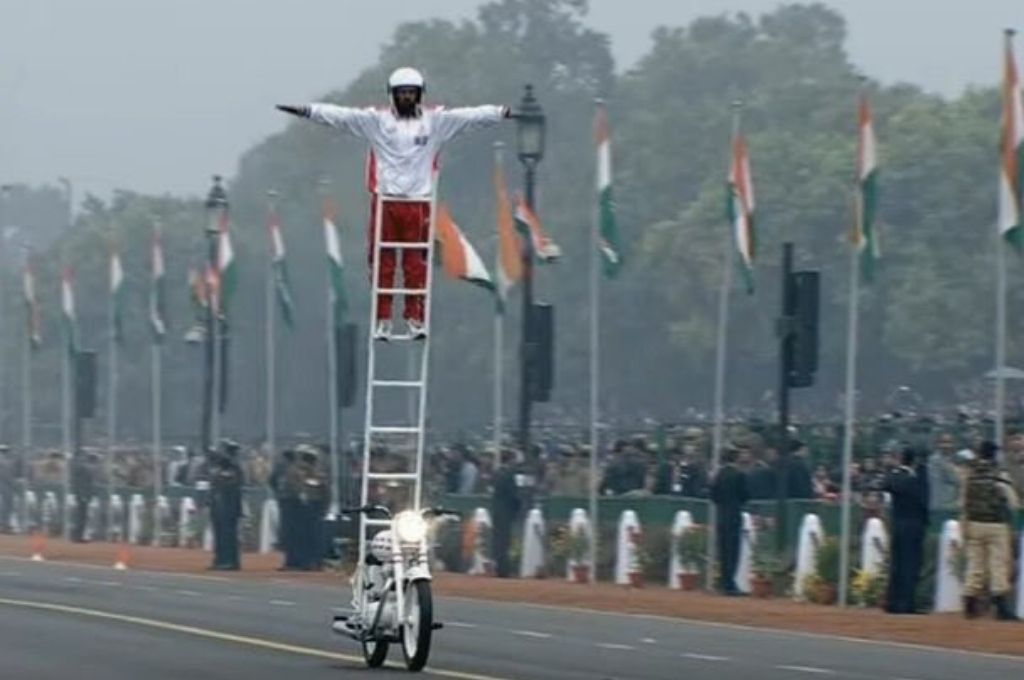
[[410, 527]]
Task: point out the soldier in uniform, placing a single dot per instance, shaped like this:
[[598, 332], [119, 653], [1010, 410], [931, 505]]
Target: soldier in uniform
[[908, 486], [314, 504], [987, 505], [226, 480], [7, 488], [729, 493], [83, 485], [505, 505], [287, 486]]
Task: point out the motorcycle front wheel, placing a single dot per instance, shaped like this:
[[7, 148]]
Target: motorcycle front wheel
[[418, 625], [375, 653]]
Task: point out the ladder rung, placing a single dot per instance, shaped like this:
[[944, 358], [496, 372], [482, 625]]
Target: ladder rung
[[377, 522], [398, 383], [422, 245], [401, 291], [384, 476], [394, 429]]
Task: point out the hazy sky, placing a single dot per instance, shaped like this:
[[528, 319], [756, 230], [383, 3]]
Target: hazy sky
[[155, 95]]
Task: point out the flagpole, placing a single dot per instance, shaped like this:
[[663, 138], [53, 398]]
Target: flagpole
[[157, 385], [216, 301], [112, 377], [595, 363], [26, 400], [850, 406], [332, 381], [720, 359], [65, 417], [1000, 396], [271, 346], [499, 333]]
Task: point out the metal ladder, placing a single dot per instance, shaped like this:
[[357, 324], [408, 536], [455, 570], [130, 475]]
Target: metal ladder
[[380, 429]]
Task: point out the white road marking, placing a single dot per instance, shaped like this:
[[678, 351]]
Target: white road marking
[[283, 603], [188, 593], [704, 657], [460, 624], [235, 597], [145, 589], [109, 584], [72, 579], [10, 573], [532, 634], [649, 641], [808, 669], [612, 645]]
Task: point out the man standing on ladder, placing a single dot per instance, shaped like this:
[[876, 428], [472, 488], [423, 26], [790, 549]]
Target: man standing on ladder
[[405, 140]]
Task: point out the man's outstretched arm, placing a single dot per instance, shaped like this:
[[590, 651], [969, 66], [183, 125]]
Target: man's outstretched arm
[[357, 122], [452, 122]]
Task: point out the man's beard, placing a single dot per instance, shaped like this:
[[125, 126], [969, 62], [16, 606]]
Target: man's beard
[[405, 109]]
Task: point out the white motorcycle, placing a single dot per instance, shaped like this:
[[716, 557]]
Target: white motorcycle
[[391, 593]]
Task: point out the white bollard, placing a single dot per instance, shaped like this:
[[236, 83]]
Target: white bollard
[[744, 569], [481, 529], [579, 525], [115, 518], [162, 521], [208, 537], [186, 519], [948, 587], [51, 511], [680, 523], [69, 513], [270, 520], [30, 511], [628, 569], [93, 516], [531, 562], [1020, 578], [812, 536], [136, 506], [874, 543]]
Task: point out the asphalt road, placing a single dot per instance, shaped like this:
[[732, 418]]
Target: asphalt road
[[62, 621]]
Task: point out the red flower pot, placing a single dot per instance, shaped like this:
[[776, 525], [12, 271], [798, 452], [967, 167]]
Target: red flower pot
[[688, 581]]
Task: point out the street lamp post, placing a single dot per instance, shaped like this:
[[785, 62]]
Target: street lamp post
[[5, 192], [216, 202], [530, 149]]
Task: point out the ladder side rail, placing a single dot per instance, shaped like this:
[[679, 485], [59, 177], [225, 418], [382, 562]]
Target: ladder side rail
[[371, 369], [425, 354]]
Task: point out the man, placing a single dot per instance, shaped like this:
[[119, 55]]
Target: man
[[908, 486], [799, 483], [226, 481], [987, 504], [8, 477], [763, 478], [405, 140], [1015, 462], [312, 507], [943, 480], [287, 486], [505, 506], [729, 493], [83, 485]]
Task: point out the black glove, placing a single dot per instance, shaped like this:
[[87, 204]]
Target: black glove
[[302, 110]]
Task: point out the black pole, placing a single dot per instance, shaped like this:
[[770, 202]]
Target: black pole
[[526, 351], [785, 332]]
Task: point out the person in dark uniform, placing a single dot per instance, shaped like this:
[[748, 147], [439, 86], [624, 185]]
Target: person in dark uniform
[[729, 493], [799, 484], [505, 504], [8, 476], [907, 484], [313, 505], [226, 481], [287, 486], [83, 486]]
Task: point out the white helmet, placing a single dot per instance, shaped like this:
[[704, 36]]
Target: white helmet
[[406, 77]]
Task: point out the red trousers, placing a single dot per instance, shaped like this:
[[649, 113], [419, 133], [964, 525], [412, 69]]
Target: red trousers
[[402, 221]]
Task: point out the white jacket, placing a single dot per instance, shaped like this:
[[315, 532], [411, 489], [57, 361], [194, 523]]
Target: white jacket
[[405, 149]]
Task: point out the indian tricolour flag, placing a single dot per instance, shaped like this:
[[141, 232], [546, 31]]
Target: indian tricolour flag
[[865, 238], [335, 263], [116, 294], [157, 314], [33, 324], [1011, 148], [67, 307], [740, 208], [509, 263], [458, 257], [279, 268], [608, 233], [529, 227], [225, 262]]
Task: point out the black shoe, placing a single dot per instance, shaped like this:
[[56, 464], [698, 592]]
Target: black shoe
[[1003, 610]]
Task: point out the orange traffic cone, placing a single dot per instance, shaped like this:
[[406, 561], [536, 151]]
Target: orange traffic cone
[[38, 546], [122, 557]]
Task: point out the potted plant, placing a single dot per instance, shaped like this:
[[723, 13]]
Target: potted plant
[[578, 546], [691, 546], [826, 568]]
